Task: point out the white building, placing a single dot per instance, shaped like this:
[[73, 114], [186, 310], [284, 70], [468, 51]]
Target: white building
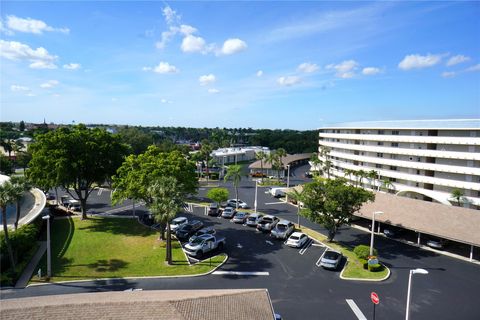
[[422, 159], [234, 155]]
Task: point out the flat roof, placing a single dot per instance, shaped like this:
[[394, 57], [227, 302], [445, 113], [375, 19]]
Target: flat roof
[[437, 124], [241, 304], [285, 161], [450, 222]]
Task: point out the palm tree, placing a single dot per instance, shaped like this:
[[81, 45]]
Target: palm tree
[[167, 200], [7, 194], [372, 176], [279, 154], [360, 174], [270, 158], [317, 163], [458, 196], [261, 156], [326, 167], [387, 184], [234, 172], [20, 185], [349, 173], [205, 151]]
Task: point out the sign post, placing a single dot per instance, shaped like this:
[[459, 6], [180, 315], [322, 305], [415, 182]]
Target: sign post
[[375, 300]]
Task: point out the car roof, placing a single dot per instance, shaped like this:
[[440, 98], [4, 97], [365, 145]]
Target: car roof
[[297, 234], [254, 215], [283, 221], [179, 218]]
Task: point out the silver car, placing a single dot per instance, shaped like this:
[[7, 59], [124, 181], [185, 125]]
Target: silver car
[[331, 259], [283, 229], [240, 217], [228, 213], [253, 219]]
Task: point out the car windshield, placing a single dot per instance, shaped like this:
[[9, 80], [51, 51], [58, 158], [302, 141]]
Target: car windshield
[[281, 226], [330, 255], [240, 215], [197, 240], [177, 222], [294, 238], [187, 227], [252, 218]]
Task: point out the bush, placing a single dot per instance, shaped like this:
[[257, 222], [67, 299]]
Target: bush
[[375, 267], [364, 263], [22, 241], [362, 251]]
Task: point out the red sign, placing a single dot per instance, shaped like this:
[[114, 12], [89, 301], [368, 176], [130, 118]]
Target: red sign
[[374, 297]]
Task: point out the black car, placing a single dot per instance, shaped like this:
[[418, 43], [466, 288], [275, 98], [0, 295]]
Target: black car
[[185, 231]]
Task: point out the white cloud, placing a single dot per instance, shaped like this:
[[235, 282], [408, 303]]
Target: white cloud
[[370, 71], [231, 46], [170, 15], [163, 100], [163, 68], [17, 88], [4, 29], [345, 69], [307, 67], [213, 90], [457, 59], [39, 58], [207, 79], [473, 68], [259, 73], [185, 29], [72, 66], [447, 74], [30, 25], [288, 81], [193, 44], [49, 84], [416, 61]]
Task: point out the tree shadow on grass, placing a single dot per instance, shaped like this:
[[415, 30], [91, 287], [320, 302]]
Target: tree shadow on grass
[[128, 227], [108, 265]]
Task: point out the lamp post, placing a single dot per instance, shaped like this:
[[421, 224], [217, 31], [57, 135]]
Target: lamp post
[[255, 203], [412, 272], [288, 182], [373, 227], [49, 255]]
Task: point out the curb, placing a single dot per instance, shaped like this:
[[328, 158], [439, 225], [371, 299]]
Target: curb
[[134, 278], [362, 279]]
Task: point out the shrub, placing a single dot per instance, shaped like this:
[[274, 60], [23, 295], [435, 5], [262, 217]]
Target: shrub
[[364, 263], [375, 267], [362, 251], [22, 241]]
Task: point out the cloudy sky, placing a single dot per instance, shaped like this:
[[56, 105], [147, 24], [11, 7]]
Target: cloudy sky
[[298, 65]]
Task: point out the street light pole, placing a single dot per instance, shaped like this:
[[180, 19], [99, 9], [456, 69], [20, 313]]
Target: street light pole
[[373, 227], [412, 272], [49, 254], [288, 182], [255, 203]]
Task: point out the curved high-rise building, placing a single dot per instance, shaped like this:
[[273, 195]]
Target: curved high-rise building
[[423, 159]]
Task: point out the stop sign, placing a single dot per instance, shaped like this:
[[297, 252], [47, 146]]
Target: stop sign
[[374, 297]]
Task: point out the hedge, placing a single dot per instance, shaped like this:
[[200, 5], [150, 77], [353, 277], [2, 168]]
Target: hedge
[[362, 251], [375, 267]]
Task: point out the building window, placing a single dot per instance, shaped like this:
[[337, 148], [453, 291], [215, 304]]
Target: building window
[[379, 155], [393, 156], [381, 132], [418, 171], [393, 168], [380, 143], [395, 144], [417, 184], [379, 166], [395, 132]]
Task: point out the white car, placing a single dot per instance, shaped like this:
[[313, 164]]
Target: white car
[[177, 222], [297, 240], [233, 203], [331, 259]]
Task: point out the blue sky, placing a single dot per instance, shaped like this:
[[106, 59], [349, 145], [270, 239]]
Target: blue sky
[[296, 65]]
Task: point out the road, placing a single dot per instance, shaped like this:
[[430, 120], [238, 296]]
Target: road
[[301, 290]]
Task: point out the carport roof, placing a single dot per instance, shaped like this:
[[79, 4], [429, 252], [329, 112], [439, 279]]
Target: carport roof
[[454, 223], [239, 304], [285, 161]]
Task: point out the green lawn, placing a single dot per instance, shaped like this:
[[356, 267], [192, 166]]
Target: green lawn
[[353, 269], [113, 247]]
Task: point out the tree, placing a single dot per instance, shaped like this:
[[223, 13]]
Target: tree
[[317, 163], [21, 126], [458, 196], [76, 159], [218, 195], [7, 196], [205, 151], [20, 185], [327, 164], [387, 185], [6, 166], [349, 173], [138, 173], [234, 172], [360, 174], [279, 154], [270, 158], [137, 139], [23, 158], [333, 202], [372, 175], [167, 200], [261, 156]]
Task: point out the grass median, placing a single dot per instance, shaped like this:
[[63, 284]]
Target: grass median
[[102, 247], [353, 269]]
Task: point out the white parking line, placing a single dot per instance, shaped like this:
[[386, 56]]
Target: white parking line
[[319, 259], [306, 246], [356, 309], [268, 203], [242, 273], [318, 245]]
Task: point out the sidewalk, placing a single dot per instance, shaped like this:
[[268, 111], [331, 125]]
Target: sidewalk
[[22, 282]]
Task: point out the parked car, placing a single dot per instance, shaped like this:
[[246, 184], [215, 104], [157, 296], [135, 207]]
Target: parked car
[[331, 259], [297, 240], [308, 174], [203, 231], [186, 230], [233, 203], [283, 229], [203, 244], [73, 205], [437, 243], [50, 196], [392, 232], [240, 217], [177, 222], [267, 223], [213, 210], [278, 192], [258, 174], [228, 212], [253, 219]]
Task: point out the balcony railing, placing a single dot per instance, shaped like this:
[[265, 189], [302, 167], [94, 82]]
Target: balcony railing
[[471, 141]]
